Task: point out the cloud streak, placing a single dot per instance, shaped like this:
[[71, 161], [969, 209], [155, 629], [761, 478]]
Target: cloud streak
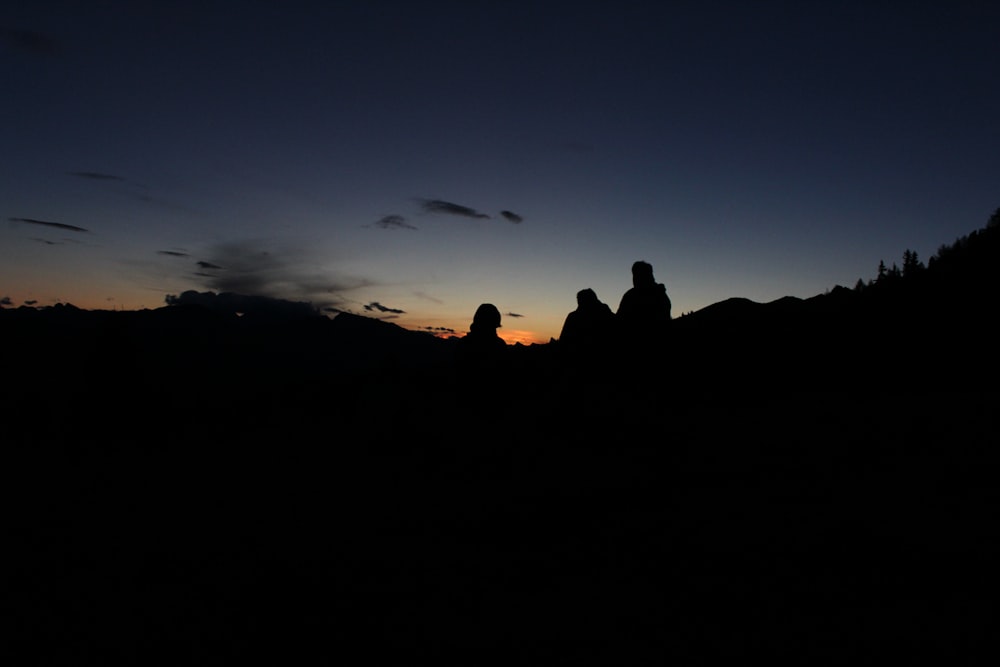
[[394, 222], [255, 268], [375, 305], [45, 223], [450, 208]]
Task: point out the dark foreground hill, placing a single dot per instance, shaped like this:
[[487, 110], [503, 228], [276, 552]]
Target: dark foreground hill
[[805, 481]]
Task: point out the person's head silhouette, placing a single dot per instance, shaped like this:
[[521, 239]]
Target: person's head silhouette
[[586, 297], [486, 319], [642, 274]]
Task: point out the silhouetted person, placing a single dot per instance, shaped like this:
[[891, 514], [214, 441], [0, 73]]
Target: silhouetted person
[[590, 325], [587, 336], [482, 349], [643, 315], [483, 330], [591, 321], [646, 305]]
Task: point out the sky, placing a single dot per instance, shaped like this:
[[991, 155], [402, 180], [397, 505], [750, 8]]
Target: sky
[[411, 160]]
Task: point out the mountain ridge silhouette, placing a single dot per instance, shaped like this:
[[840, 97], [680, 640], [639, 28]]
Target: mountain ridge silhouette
[[960, 285]]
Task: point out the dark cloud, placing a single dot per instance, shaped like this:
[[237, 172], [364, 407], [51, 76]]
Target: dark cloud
[[96, 175], [394, 222], [512, 315], [58, 225], [172, 253], [375, 305], [258, 268], [29, 41], [439, 330], [6, 301], [229, 302], [449, 208]]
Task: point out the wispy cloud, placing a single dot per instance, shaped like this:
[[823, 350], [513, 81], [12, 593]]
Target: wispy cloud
[[439, 330], [450, 208], [375, 305], [267, 271], [131, 189], [260, 268], [394, 222], [427, 297], [513, 315], [57, 225]]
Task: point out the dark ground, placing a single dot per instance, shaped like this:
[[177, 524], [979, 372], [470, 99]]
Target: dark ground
[[422, 519], [194, 496], [804, 482]]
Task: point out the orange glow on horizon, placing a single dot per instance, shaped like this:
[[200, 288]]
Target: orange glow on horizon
[[511, 337], [514, 336]]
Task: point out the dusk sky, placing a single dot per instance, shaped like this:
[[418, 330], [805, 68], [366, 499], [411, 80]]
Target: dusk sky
[[411, 160]]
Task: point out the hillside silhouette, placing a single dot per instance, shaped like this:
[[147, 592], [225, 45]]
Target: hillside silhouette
[[913, 322], [789, 479]]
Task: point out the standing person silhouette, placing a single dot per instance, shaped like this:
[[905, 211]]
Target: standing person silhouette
[[587, 337], [644, 310], [590, 325], [482, 348]]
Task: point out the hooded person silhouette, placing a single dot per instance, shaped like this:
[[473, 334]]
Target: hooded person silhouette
[[587, 337], [590, 325], [644, 311]]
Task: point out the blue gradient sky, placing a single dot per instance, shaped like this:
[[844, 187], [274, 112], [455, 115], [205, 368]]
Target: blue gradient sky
[[361, 155]]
